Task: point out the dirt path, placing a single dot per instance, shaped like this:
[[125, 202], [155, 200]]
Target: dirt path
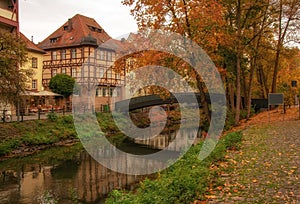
[[267, 168]]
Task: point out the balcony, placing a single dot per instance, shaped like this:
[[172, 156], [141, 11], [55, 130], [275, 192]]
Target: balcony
[[8, 14]]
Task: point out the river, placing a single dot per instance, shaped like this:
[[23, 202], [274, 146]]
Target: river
[[70, 174]]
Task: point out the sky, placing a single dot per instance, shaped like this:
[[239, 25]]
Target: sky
[[40, 18]]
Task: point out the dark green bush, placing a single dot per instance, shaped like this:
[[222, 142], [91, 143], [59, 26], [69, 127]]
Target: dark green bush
[[52, 117]]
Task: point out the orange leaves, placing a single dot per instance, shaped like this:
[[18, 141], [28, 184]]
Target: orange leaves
[[200, 20]]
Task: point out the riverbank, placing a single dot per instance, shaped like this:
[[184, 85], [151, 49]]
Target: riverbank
[[30, 136], [259, 163], [187, 180]]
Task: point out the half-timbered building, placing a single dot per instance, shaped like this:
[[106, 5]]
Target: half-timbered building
[[78, 49]]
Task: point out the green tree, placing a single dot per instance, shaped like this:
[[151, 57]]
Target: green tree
[[13, 79], [62, 84]]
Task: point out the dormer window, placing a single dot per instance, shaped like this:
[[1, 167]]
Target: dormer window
[[53, 40], [94, 29]]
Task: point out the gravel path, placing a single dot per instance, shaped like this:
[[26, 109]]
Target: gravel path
[[266, 169]]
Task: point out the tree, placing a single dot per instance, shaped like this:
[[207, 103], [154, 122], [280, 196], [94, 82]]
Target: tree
[[62, 84], [287, 30], [13, 79], [196, 20]]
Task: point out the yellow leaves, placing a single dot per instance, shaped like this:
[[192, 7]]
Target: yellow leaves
[[291, 172], [210, 196], [254, 181], [233, 161], [267, 164], [199, 202]]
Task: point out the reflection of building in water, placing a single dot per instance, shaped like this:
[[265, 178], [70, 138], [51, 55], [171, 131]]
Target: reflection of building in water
[[94, 181], [185, 138], [84, 175]]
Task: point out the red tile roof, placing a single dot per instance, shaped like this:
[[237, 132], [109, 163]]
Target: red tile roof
[[73, 32], [30, 45]]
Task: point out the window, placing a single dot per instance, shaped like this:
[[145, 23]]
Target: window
[[103, 91], [63, 70], [97, 92], [111, 90], [73, 53], [34, 84], [109, 56], [109, 74], [53, 55], [94, 29], [100, 91], [53, 40], [54, 72], [34, 62], [102, 55], [101, 73], [63, 54], [73, 72]]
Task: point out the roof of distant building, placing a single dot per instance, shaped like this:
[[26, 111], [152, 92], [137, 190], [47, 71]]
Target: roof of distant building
[[78, 30], [30, 45]]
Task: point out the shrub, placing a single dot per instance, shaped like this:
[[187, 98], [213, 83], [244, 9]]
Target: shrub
[[67, 119], [52, 117], [233, 140]]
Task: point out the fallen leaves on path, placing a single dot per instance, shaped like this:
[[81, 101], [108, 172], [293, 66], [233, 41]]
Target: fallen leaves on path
[[266, 169]]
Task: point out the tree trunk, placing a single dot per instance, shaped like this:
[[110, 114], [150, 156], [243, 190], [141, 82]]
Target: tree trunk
[[238, 65], [231, 97], [204, 102], [279, 45], [238, 91], [276, 67], [250, 88]]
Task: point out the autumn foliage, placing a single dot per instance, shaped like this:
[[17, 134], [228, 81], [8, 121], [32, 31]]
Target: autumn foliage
[[247, 40]]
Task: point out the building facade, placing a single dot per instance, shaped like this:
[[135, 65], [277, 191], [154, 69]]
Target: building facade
[[76, 49], [35, 63]]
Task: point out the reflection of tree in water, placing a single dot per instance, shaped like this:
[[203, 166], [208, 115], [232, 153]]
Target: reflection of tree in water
[[67, 170]]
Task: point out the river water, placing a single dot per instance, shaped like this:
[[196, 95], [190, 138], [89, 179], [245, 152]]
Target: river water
[[70, 174]]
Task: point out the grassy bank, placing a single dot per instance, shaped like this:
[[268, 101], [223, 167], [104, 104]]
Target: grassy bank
[[23, 136], [17, 138], [187, 180]]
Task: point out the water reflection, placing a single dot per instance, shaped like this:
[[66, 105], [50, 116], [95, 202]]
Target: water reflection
[[163, 141], [70, 173], [79, 177]]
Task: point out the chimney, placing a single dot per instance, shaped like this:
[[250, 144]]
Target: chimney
[[32, 38], [70, 25]]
